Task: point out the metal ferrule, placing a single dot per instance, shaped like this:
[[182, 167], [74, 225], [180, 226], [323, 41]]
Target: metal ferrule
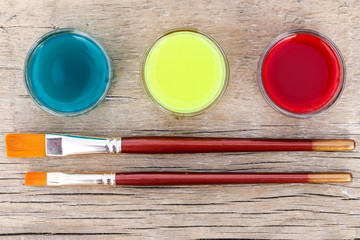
[[58, 179], [63, 145]]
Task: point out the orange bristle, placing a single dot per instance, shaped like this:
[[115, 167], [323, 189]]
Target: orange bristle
[[36, 178], [25, 145]]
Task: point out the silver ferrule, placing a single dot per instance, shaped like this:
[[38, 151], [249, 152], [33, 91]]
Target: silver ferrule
[[63, 145], [58, 179]]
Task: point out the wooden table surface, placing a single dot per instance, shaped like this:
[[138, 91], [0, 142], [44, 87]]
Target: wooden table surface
[[243, 28]]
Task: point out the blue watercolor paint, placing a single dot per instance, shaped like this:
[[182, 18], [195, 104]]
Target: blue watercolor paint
[[68, 73]]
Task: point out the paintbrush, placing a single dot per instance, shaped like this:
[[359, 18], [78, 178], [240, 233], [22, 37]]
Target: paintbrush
[[177, 178], [40, 145]]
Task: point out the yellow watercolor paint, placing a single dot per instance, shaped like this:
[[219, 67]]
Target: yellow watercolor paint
[[185, 72]]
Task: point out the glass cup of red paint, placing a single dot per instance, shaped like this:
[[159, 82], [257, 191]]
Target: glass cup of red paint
[[301, 73]]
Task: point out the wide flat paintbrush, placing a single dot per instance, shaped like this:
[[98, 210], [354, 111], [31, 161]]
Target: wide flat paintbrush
[[40, 145], [176, 178]]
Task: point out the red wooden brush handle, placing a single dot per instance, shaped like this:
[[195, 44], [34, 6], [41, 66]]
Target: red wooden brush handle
[[161, 179], [196, 145]]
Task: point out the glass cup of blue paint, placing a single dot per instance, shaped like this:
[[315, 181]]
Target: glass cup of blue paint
[[68, 72]]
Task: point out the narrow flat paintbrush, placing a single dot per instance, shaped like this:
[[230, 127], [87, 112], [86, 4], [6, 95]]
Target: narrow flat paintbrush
[[40, 145], [173, 178]]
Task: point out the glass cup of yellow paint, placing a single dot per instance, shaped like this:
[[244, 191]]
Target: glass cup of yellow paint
[[184, 72]]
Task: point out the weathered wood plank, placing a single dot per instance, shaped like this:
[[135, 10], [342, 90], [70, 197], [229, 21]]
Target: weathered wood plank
[[243, 28]]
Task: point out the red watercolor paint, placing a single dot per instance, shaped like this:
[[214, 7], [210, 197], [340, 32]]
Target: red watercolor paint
[[302, 74]]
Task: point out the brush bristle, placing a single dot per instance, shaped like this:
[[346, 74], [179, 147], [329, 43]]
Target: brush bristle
[[36, 178], [25, 145]]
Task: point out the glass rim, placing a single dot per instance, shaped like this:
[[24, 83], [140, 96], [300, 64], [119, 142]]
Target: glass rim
[[156, 103], [336, 95], [41, 40]]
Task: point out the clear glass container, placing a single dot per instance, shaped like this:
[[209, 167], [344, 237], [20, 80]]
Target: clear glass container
[[68, 72], [169, 66], [297, 66]]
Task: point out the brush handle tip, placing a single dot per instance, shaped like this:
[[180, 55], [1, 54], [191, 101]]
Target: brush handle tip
[[329, 177], [334, 145]]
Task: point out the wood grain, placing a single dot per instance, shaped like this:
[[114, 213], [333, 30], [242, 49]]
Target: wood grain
[[243, 28]]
